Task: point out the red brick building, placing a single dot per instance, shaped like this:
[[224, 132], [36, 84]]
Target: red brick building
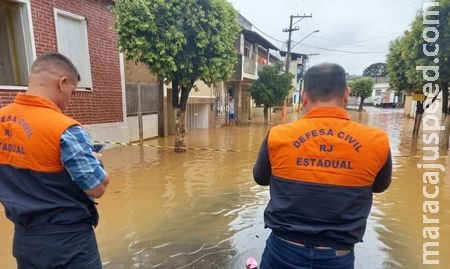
[[81, 30]]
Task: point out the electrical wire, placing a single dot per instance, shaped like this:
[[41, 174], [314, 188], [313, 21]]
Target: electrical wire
[[343, 51], [352, 42], [289, 3], [269, 36], [405, 4]]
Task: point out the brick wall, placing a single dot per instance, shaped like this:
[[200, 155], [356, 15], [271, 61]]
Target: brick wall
[[104, 103]]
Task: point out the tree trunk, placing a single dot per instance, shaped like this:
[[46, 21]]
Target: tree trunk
[[266, 115], [445, 105], [419, 114], [361, 105], [180, 118], [180, 143]]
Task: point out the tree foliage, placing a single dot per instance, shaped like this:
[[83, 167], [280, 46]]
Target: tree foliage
[[407, 52], [271, 87], [181, 41], [375, 70], [361, 87], [397, 67]]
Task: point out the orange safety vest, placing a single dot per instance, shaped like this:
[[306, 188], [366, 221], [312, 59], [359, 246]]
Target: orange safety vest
[[323, 168], [35, 188]]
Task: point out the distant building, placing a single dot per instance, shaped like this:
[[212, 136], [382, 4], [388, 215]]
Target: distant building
[[208, 107], [298, 69]]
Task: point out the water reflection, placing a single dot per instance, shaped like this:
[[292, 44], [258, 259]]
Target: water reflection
[[203, 210]]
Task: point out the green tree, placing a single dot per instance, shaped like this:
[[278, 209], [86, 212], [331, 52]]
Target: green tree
[[181, 41], [411, 50], [271, 88], [417, 44], [375, 70], [361, 88], [397, 67], [400, 64]]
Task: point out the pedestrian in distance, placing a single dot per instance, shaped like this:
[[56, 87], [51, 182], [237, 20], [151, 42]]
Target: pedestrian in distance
[[322, 171], [231, 116], [49, 174]]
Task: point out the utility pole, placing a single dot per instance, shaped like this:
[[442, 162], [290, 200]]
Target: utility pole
[[288, 54], [290, 30]]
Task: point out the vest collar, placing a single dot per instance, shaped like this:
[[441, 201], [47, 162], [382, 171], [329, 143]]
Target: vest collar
[[327, 112], [33, 100]]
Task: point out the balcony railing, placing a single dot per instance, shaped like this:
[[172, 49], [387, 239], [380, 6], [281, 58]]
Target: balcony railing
[[250, 66]]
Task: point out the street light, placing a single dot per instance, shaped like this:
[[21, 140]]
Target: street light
[[313, 32]]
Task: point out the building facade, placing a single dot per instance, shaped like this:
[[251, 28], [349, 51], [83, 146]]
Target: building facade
[[83, 32], [253, 53]]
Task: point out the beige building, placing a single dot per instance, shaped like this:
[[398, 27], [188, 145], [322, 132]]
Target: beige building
[[208, 106]]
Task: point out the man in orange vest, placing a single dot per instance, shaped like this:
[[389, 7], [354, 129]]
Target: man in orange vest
[[322, 171], [49, 175]]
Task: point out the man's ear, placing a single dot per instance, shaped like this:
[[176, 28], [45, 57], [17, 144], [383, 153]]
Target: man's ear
[[347, 92], [62, 83], [304, 98]]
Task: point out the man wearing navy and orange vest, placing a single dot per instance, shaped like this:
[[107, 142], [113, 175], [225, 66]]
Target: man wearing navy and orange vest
[[322, 171], [49, 175]]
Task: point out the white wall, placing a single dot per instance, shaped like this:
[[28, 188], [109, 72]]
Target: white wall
[[114, 132], [203, 90], [412, 112], [150, 124], [197, 116]]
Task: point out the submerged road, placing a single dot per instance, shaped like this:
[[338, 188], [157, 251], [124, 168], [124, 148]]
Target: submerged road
[[202, 209]]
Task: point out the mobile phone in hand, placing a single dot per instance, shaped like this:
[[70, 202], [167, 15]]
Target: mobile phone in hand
[[99, 147]]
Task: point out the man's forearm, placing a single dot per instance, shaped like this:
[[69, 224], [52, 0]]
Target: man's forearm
[[262, 170], [384, 176]]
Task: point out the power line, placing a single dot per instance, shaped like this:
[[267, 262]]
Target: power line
[[269, 36], [297, 5], [289, 3], [306, 6], [343, 51], [356, 41], [405, 4]]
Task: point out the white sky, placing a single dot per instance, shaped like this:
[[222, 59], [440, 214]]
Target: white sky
[[346, 25]]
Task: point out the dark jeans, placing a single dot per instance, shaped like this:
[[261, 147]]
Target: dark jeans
[[281, 254], [64, 250]]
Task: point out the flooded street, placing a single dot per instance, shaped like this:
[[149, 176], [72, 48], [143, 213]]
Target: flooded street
[[203, 210]]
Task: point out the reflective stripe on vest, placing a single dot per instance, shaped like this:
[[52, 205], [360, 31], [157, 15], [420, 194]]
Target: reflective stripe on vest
[[35, 188], [30, 134], [325, 147]]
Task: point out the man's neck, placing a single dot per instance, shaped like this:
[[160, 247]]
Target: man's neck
[[327, 104]]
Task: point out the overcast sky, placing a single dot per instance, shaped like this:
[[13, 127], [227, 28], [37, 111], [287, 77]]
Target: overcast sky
[[359, 26]]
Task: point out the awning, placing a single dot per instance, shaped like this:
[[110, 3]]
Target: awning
[[256, 38]]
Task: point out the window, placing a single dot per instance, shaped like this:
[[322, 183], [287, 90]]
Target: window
[[248, 52], [72, 38], [16, 51]]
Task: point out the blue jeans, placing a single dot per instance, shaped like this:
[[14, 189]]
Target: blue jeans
[[69, 250], [281, 254]]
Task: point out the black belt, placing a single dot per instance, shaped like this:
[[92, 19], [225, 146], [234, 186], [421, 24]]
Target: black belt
[[339, 252], [51, 229]]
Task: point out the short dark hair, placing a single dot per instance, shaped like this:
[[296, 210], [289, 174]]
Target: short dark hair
[[325, 81], [59, 61]]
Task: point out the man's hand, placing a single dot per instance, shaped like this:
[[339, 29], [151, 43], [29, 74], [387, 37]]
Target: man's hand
[[98, 191]]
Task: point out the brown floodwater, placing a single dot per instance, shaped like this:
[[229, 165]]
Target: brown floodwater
[[203, 210]]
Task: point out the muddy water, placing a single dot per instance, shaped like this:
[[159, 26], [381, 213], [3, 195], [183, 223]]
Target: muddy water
[[202, 209]]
